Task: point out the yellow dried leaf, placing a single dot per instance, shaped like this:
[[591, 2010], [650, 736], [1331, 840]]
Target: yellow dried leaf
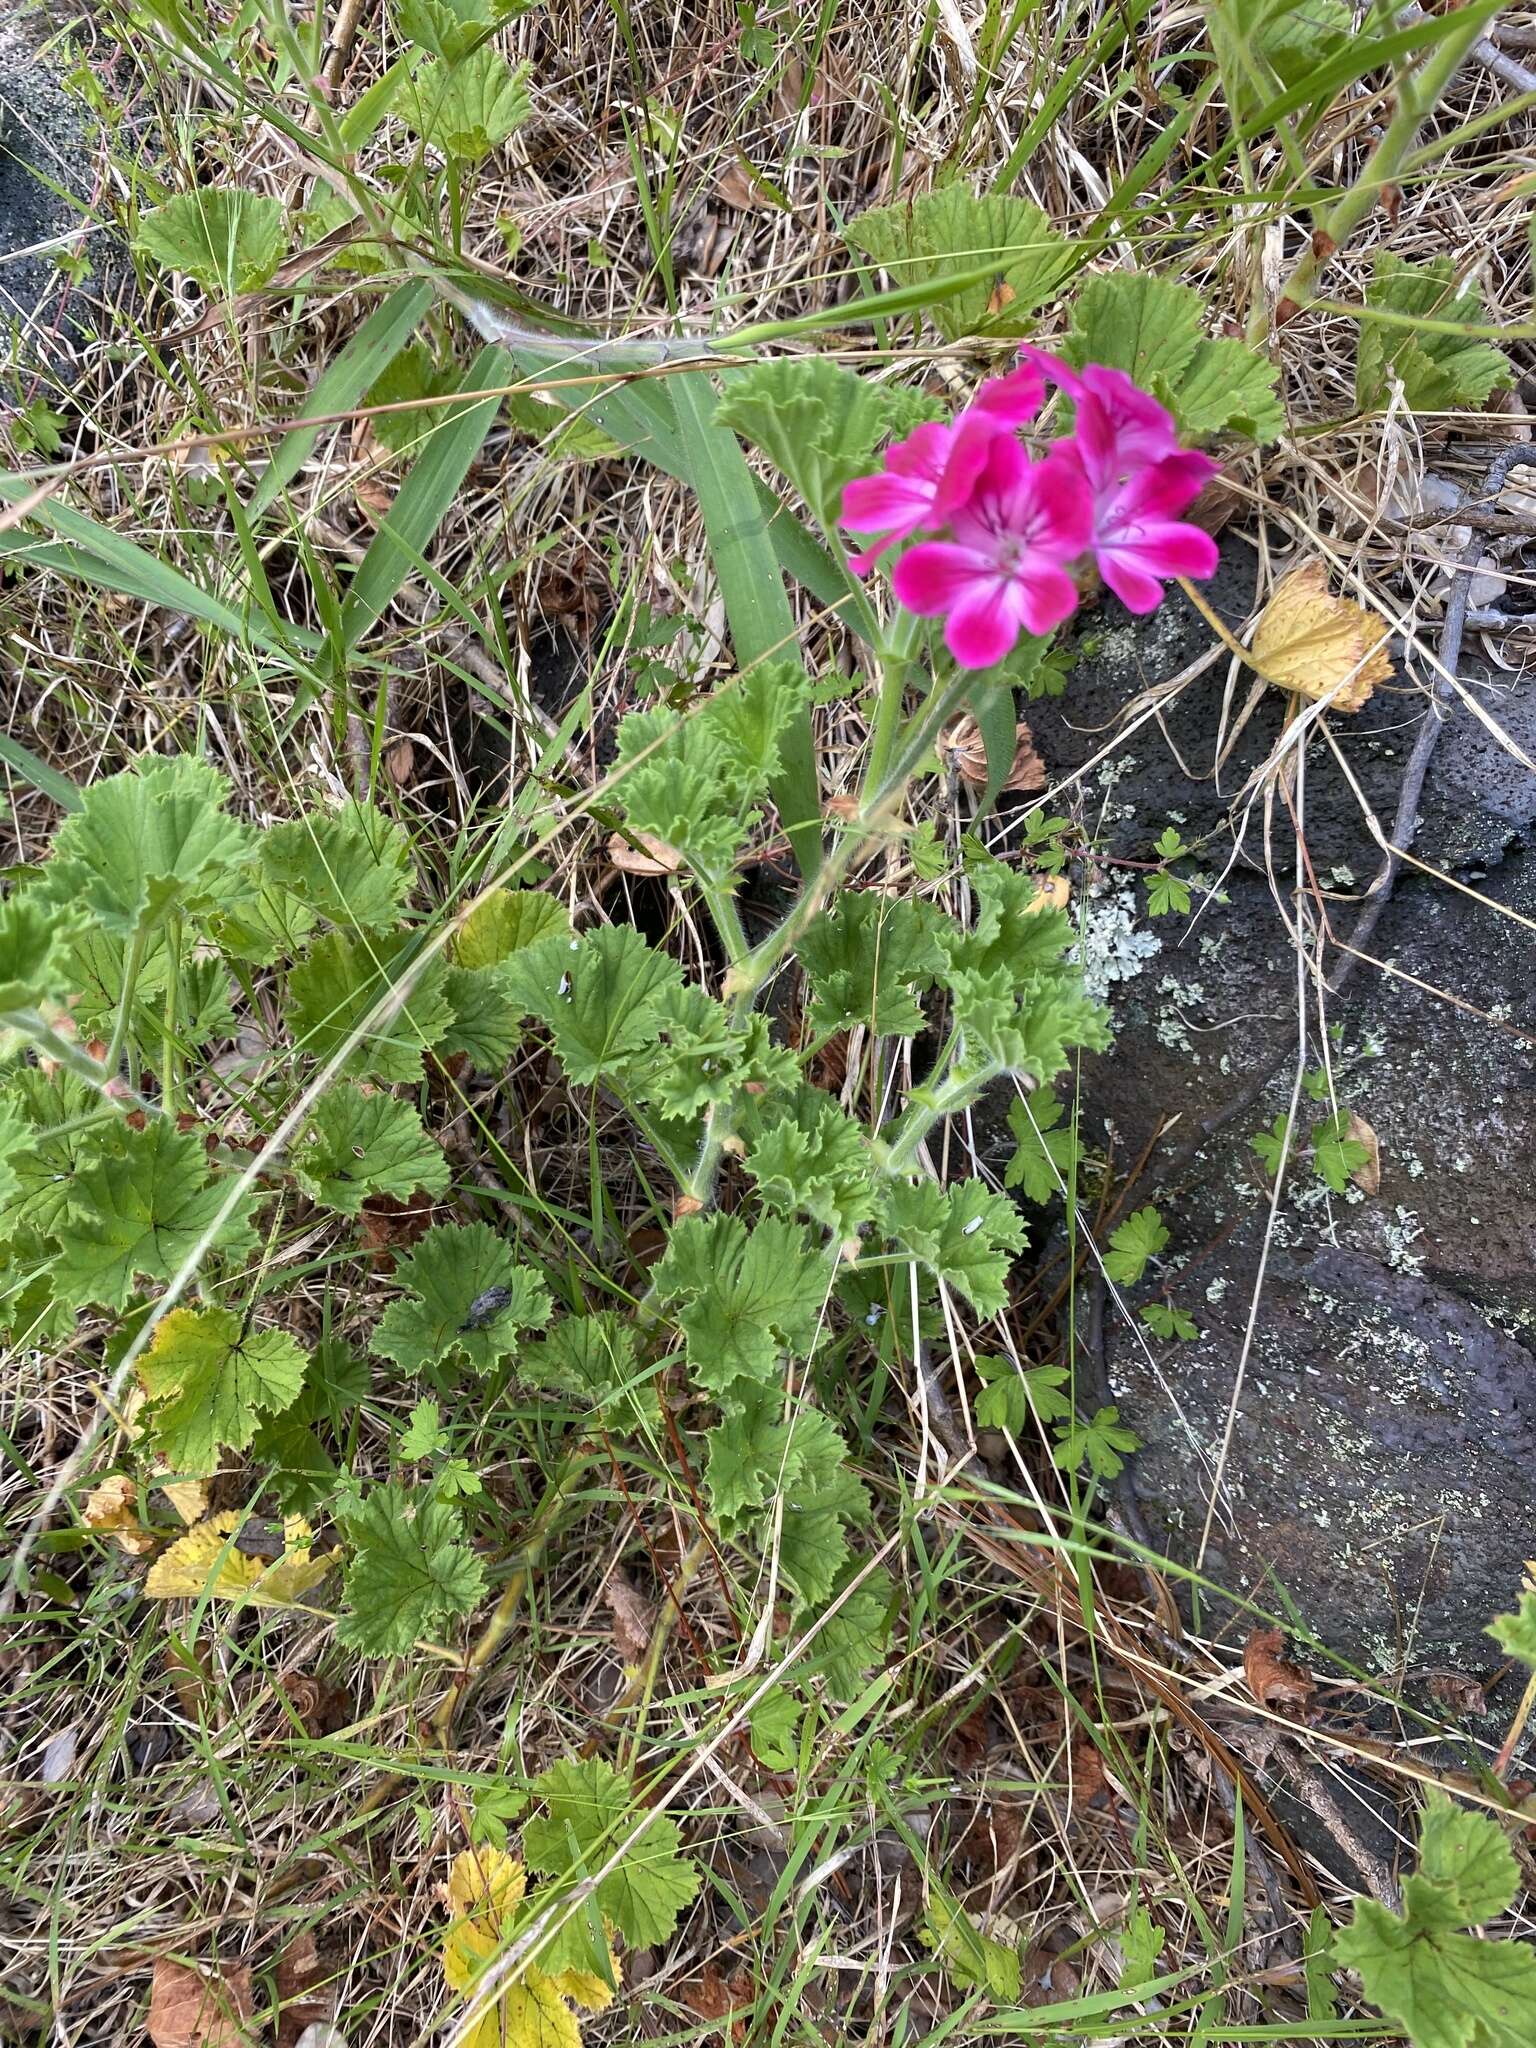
[[1052, 892], [536, 2016], [109, 1508], [204, 1563], [1320, 645], [486, 1883], [189, 1497], [586, 1988], [467, 1947], [110, 1505]]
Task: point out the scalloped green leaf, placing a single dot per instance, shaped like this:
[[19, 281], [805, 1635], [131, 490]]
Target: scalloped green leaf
[[945, 233]]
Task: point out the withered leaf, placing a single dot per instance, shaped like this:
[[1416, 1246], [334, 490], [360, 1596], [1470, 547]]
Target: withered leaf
[[199, 2009], [1366, 1176], [1320, 645], [633, 1621], [962, 745], [1272, 1679]]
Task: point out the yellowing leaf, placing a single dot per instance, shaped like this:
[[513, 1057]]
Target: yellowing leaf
[[189, 1497], [1320, 645], [486, 1883], [110, 1506], [536, 2016], [467, 1947], [586, 1988], [1052, 892], [204, 1563]]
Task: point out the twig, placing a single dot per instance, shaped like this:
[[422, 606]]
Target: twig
[[1405, 824]]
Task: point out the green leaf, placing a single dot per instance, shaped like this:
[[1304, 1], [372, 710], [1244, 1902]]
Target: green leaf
[[399, 548], [1046, 1156], [1141, 1943], [589, 1812], [596, 996], [1164, 1320], [422, 1436], [445, 1314], [593, 1362], [357, 1145], [1336, 1155], [819, 423], [1439, 372], [1139, 1238], [486, 1028], [1167, 895], [148, 843], [964, 1234], [869, 957], [451, 28], [751, 716], [1149, 327], [1516, 1633], [61, 1138], [773, 1726], [951, 231], [810, 1157], [412, 1573], [351, 867], [414, 374], [1009, 1394], [468, 108], [143, 1211], [210, 1378], [504, 922], [342, 383], [1271, 1145], [35, 936], [749, 1295], [228, 240], [853, 1641], [973, 1960], [1101, 1444], [342, 982], [1447, 1989], [752, 590], [699, 1058]]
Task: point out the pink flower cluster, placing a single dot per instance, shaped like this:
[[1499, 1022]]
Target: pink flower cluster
[[1014, 523]]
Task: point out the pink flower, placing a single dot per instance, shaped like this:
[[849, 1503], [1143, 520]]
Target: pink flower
[[932, 471], [1125, 448], [1002, 572], [1137, 536]]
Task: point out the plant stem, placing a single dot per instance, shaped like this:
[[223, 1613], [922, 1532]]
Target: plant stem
[[639, 1689], [721, 905], [132, 966], [895, 664], [1417, 97]]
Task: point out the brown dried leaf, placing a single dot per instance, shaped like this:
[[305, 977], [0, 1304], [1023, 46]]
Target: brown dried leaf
[[649, 857], [714, 1997], [1366, 1177], [633, 1620], [1087, 1774], [1320, 645], [1272, 1679], [962, 745], [321, 1706], [388, 1226], [401, 763], [199, 2009], [109, 1507]]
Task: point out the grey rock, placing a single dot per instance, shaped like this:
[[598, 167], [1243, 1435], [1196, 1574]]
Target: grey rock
[[1376, 1483], [48, 141]]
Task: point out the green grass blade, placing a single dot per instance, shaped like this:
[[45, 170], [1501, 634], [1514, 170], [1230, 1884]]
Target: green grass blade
[[426, 495], [752, 588], [358, 367], [23, 762]]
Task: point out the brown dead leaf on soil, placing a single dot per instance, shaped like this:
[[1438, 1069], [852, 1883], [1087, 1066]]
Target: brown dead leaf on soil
[[304, 1998], [633, 1618], [1319, 645], [1272, 1678], [1366, 1177], [650, 857], [199, 2009], [715, 1997], [962, 745]]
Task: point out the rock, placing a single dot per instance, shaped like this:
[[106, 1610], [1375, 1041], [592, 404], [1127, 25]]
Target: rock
[[47, 144], [1383, 1428]]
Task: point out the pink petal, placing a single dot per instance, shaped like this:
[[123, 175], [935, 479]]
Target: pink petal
[[886, 504], [974, 434], [1052, 369], [936, 575], [1119, 424], [1047, 596], [1165, 488], [923, 453], [1156, 548], [1063, 509], [1136, 590], [1014, 399], [984, 625]]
